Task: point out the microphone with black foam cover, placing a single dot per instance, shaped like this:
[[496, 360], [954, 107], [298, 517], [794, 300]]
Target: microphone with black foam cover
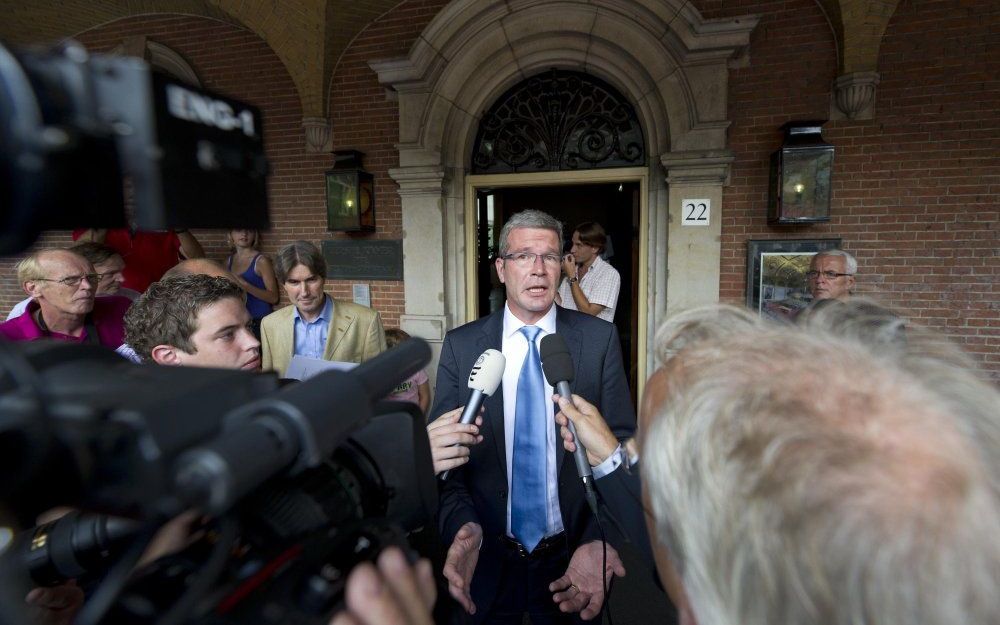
[[557, 364], [484, 379]]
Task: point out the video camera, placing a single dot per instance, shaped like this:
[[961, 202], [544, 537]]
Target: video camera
[[309, 478], [294, 484], [76, 129]]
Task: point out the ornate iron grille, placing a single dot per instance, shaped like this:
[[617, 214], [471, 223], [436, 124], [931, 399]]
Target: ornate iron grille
[[556, 121]]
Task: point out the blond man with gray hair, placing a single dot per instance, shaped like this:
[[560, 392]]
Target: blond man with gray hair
[[843, 472]]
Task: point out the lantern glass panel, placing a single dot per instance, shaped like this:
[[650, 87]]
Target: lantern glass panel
[[805, 192]]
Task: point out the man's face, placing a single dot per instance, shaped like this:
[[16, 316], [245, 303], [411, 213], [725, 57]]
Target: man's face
[[305, 290], [223, 338], [582, 252], [530, 289], [57, 297], [111, 276], [822, 287]]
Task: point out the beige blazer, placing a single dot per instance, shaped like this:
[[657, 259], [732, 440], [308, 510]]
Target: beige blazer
[[355, 334]]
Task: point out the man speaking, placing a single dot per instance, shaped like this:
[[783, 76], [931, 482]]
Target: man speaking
[[522, 541]]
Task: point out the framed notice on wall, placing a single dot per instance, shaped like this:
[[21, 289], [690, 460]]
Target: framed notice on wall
[[776, 274]]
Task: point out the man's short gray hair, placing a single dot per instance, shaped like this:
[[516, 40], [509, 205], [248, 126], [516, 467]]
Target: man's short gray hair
[[831, 474], [529, 218], [850, 263]]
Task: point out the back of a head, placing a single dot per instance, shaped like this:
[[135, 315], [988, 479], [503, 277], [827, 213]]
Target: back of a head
[[815, 475], [196, 267]]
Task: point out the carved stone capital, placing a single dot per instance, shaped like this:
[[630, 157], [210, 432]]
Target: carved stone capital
[[854, 96], [419, 180], [318, 133], [697, 167]]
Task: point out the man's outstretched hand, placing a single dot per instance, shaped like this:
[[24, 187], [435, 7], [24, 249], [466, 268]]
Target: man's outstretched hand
[[581, 589], [460, 564]]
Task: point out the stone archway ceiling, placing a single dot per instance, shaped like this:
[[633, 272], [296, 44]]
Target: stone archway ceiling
[[858, 26], [309, 36]]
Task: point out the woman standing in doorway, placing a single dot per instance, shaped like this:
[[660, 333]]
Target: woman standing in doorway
[[255, 273]]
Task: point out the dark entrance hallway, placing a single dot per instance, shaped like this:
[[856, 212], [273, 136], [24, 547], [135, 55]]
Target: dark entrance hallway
[[613, 205]]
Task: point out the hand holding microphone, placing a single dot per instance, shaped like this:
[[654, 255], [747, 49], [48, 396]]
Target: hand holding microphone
[[557, 364], [484, 379], [594, 433], [450, 440]]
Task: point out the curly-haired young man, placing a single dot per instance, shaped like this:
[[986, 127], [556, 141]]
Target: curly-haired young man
[[194, 320]]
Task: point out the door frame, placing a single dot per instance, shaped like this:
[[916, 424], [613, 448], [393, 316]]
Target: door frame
[[565, 178]]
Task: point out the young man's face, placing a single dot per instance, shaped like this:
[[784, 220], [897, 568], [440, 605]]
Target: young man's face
[[582, 252], [305, 290], [223, 338]]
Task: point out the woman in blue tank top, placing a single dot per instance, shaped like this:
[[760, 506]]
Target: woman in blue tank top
[[255, 273]]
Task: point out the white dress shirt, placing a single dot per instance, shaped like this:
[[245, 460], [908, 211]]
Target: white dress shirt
[[515, 348]]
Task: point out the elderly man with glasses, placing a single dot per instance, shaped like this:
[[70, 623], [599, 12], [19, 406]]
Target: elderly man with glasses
[[831, 275], [62, 285]]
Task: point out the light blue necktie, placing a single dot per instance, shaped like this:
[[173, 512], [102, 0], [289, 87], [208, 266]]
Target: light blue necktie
[[527, 484]]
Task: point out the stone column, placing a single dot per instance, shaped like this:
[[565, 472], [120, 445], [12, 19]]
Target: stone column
[[694, 252], [421, 194]]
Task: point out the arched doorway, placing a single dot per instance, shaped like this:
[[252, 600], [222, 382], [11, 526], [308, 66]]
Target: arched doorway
[[562, 121], [661, 54]]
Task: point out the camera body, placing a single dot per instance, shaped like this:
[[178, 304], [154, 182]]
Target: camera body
[[300, 482], [82, 137]]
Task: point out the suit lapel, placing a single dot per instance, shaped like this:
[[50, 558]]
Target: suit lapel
[[338, 329], [492, 338], [574, 340]]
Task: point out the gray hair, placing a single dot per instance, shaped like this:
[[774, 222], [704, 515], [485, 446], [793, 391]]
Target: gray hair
[[829, 474], [299, 253], [529, 218], [850, 263]]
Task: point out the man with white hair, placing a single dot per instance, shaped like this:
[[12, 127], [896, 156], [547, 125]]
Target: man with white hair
[[62, 285], [831, 275], [834, 473]]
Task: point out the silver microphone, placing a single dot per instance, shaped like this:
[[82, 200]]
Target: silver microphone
[[484, 379]]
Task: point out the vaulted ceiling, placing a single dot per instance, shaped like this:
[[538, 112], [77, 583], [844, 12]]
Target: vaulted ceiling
[[309, 36]]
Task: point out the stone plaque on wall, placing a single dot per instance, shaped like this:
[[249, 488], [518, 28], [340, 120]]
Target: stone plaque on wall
[[364, 260]]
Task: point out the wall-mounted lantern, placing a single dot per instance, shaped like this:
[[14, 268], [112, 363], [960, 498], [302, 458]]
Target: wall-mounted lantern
[[800, 176], [350, 194]]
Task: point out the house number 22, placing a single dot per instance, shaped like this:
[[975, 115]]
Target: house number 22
[[695, 212]]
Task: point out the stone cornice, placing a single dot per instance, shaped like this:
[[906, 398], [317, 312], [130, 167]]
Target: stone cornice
[[697, 167], [419, 180]]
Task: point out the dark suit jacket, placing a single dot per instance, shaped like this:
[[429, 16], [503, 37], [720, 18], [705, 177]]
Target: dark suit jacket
[[477, 491], [621, 492]]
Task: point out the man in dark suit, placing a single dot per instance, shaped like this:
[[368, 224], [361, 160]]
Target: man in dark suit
[[522, 540]]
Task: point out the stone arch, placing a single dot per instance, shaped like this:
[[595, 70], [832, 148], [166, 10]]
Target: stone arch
[[671, 63]]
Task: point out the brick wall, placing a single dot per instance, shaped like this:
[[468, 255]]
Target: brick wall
[[915, 190], [238, 63]]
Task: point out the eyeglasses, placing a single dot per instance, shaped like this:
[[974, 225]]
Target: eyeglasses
[[73, 280], [829, 275], [527, 259]]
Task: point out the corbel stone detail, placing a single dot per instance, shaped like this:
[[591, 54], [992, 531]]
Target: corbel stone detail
[[703, 167], [318, 134], [853, 96]]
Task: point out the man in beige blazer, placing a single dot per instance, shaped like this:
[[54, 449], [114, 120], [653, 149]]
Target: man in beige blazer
[[315, 325]]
